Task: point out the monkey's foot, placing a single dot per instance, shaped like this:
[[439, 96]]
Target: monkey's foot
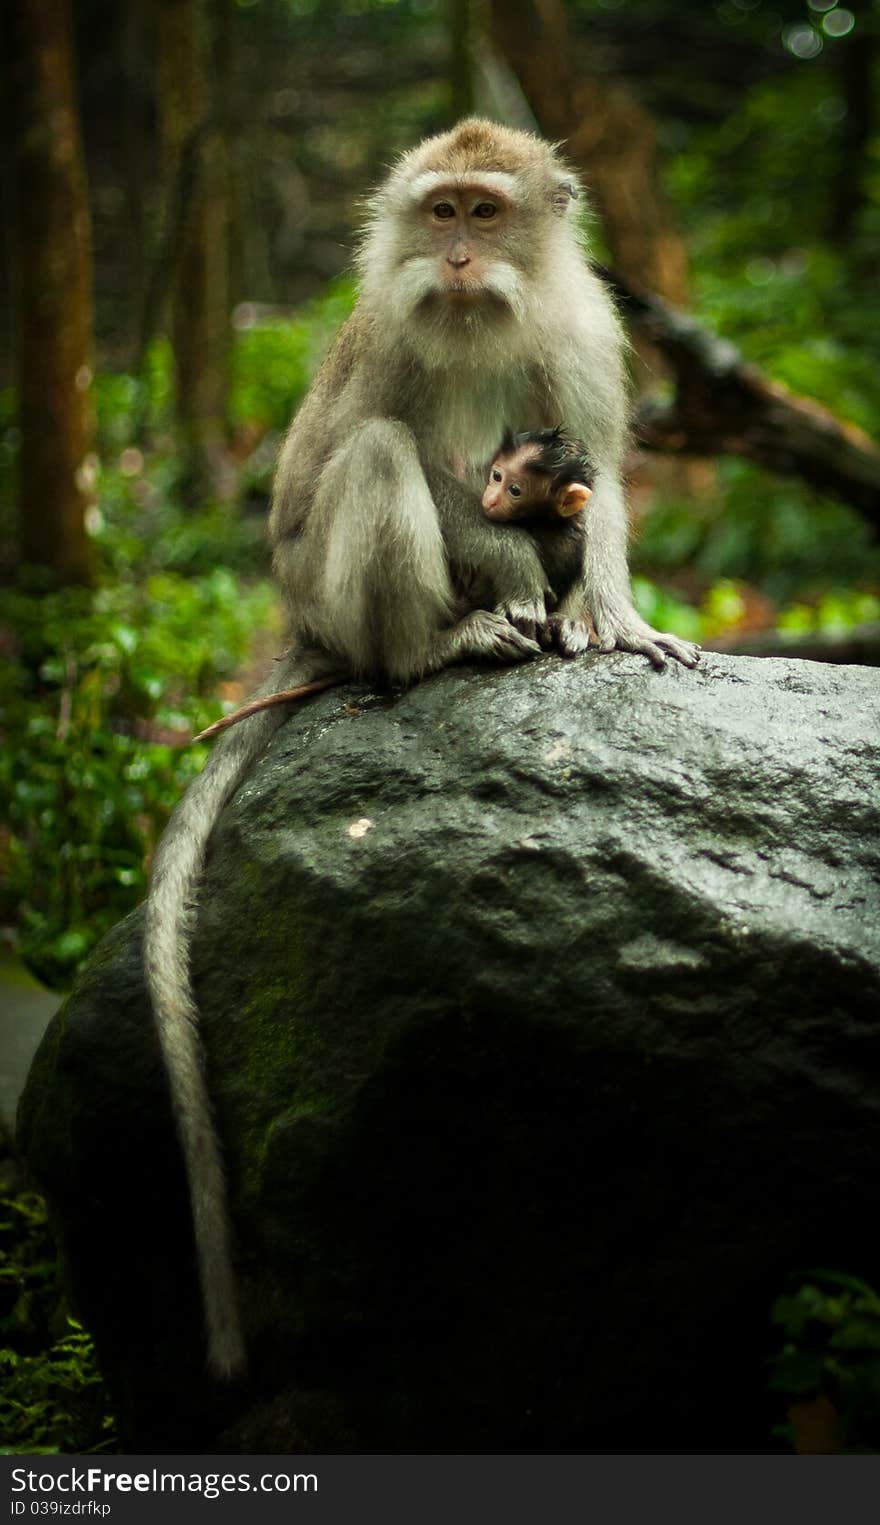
[[487, 634], [528, 615], [636, 635]]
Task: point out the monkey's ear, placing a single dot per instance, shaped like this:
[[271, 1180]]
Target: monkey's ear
[[572, 499], [564, 192]]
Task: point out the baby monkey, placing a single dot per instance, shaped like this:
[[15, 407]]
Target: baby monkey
[[543, 479]]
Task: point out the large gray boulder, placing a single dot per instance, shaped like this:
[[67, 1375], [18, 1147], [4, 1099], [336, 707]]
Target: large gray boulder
[[543, 1017]]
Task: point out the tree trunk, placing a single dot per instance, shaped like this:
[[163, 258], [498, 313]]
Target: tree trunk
[[198, 276], [461, 71], [608, 135], [130, 43], [857, 59], [54, 297]]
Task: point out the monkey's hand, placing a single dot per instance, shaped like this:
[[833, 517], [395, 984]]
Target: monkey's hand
[[570, 637], [630, 633], [487, 634], [503, 556], [528, 615]]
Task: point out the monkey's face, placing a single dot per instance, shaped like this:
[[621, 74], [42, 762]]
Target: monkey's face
[[466, 226], [452, 253], [515, 492], [466, 245]]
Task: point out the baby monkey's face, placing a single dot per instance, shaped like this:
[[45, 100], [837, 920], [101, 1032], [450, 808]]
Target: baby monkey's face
[[512, 491], [515, 490]]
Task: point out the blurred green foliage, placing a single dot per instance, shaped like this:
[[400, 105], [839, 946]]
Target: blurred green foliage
[[99, 704], [51, 1394], [755, 191], [831, 1329], [101, 690], [754, 194], [771, 532], [273, 362]]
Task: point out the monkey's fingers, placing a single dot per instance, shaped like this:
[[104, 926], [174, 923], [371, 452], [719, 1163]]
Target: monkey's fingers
[[493, 635], [570, 637], [529, 617], [253, 707], [512, 645], [636, 635], [686, 652], [663, 646]]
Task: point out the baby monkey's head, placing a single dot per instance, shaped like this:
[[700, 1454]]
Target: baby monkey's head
[[541, 474]]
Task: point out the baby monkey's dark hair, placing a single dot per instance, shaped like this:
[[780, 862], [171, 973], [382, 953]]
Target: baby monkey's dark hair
[[560, 455]]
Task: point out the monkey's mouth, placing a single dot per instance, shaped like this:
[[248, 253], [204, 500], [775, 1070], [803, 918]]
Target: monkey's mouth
[[464, 291]]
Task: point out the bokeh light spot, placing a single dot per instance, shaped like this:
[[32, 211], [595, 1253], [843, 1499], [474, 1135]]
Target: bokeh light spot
[[802, 41], [832, 110], [131, 462], [838, 23], [760, 271]]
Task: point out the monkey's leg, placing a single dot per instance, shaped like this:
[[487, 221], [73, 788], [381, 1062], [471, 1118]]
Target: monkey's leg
[[505, 554], [606, 594], [368, 578]]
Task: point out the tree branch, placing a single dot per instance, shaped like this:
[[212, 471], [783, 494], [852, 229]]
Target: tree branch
[[860, 644], [724, 405]]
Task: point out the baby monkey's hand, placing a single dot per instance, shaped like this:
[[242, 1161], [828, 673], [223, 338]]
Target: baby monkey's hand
[[570, 637], [530, 616]]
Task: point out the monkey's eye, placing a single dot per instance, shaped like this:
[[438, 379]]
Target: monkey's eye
[[485, 210], [496, 476], [515, 492], [444, 210]]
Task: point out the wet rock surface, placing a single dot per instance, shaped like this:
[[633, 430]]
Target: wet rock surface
[[541, 1007]]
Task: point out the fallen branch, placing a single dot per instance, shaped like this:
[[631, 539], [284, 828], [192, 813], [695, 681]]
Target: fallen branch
[[860, 644], [725, 405]]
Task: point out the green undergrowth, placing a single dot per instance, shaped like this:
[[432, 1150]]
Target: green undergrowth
[[828, 1370], [52, 1398], [106, 690]]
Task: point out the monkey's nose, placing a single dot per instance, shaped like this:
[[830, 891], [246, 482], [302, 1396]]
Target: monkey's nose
[[458, 259]]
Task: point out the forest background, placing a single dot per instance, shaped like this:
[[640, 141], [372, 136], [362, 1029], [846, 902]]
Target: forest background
[[181, 186], [181, 193]]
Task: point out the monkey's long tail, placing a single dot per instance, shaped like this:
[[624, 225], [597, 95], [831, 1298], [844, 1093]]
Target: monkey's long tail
[[170, 916]]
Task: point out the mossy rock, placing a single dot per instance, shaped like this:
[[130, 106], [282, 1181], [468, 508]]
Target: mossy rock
[[541, 1009]]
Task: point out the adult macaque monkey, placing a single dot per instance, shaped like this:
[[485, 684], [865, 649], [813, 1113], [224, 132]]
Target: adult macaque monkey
[[476, 306]]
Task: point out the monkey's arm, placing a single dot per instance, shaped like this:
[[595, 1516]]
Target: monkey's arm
[[605, 593], [592, 399], [505, 554]]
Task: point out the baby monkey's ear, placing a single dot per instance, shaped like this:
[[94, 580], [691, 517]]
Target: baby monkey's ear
[[572, 499]]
